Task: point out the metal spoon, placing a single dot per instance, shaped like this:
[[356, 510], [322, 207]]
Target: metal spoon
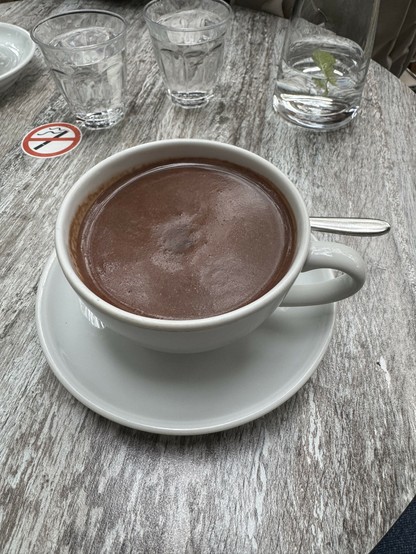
[[350, 226]]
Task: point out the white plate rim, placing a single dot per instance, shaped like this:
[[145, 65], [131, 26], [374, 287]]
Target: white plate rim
[[24, 60]]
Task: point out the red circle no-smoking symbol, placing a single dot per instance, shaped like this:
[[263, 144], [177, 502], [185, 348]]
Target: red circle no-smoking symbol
[[50, 140]]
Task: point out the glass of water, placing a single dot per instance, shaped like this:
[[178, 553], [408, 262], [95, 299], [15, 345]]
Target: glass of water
[[188, 39], [85, 51], [324, 62]]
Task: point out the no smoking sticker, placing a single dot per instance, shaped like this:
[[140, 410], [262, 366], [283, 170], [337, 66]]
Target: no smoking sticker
[[50, 140]]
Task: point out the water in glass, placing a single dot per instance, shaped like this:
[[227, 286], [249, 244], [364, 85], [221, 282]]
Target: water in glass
[[320, 82], [91, 78], [190, 54]]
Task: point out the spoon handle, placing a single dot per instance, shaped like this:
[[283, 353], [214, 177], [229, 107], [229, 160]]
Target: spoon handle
[[350, 226]]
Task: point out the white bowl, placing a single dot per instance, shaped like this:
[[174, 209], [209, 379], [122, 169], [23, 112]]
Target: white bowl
[[16, 51]]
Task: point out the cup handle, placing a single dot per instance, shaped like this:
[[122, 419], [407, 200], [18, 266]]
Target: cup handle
[[330, 255]]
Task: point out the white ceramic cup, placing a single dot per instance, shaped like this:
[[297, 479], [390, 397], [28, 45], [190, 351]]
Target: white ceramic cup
[[199, 335]]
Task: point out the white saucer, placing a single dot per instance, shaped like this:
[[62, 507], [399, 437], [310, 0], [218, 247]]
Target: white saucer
[[16, 51], [172, 393]]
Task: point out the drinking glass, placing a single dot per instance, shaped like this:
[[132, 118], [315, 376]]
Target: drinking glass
[[324, 62], [85, 51], [188, 38]]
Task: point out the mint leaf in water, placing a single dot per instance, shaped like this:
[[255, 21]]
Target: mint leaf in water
[[321, 83], [326, 63]]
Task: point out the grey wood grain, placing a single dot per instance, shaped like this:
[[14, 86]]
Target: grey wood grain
[[331, 469]]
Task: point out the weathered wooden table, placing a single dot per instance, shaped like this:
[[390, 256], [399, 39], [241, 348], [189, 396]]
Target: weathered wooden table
[[329, 470]]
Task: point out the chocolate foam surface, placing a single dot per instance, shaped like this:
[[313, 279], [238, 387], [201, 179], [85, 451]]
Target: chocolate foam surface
[[185, 240]]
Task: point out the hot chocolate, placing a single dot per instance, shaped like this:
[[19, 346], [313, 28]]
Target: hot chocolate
[[184, 239]]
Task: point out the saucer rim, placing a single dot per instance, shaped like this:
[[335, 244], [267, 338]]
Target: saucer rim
[[127, 421]]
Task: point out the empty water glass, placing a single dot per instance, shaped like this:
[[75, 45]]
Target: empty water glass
[[86, 53], [188, 39], [324, 62]]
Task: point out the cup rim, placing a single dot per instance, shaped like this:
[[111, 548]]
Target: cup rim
[[66, 211], [78, 48], [169, 28]]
